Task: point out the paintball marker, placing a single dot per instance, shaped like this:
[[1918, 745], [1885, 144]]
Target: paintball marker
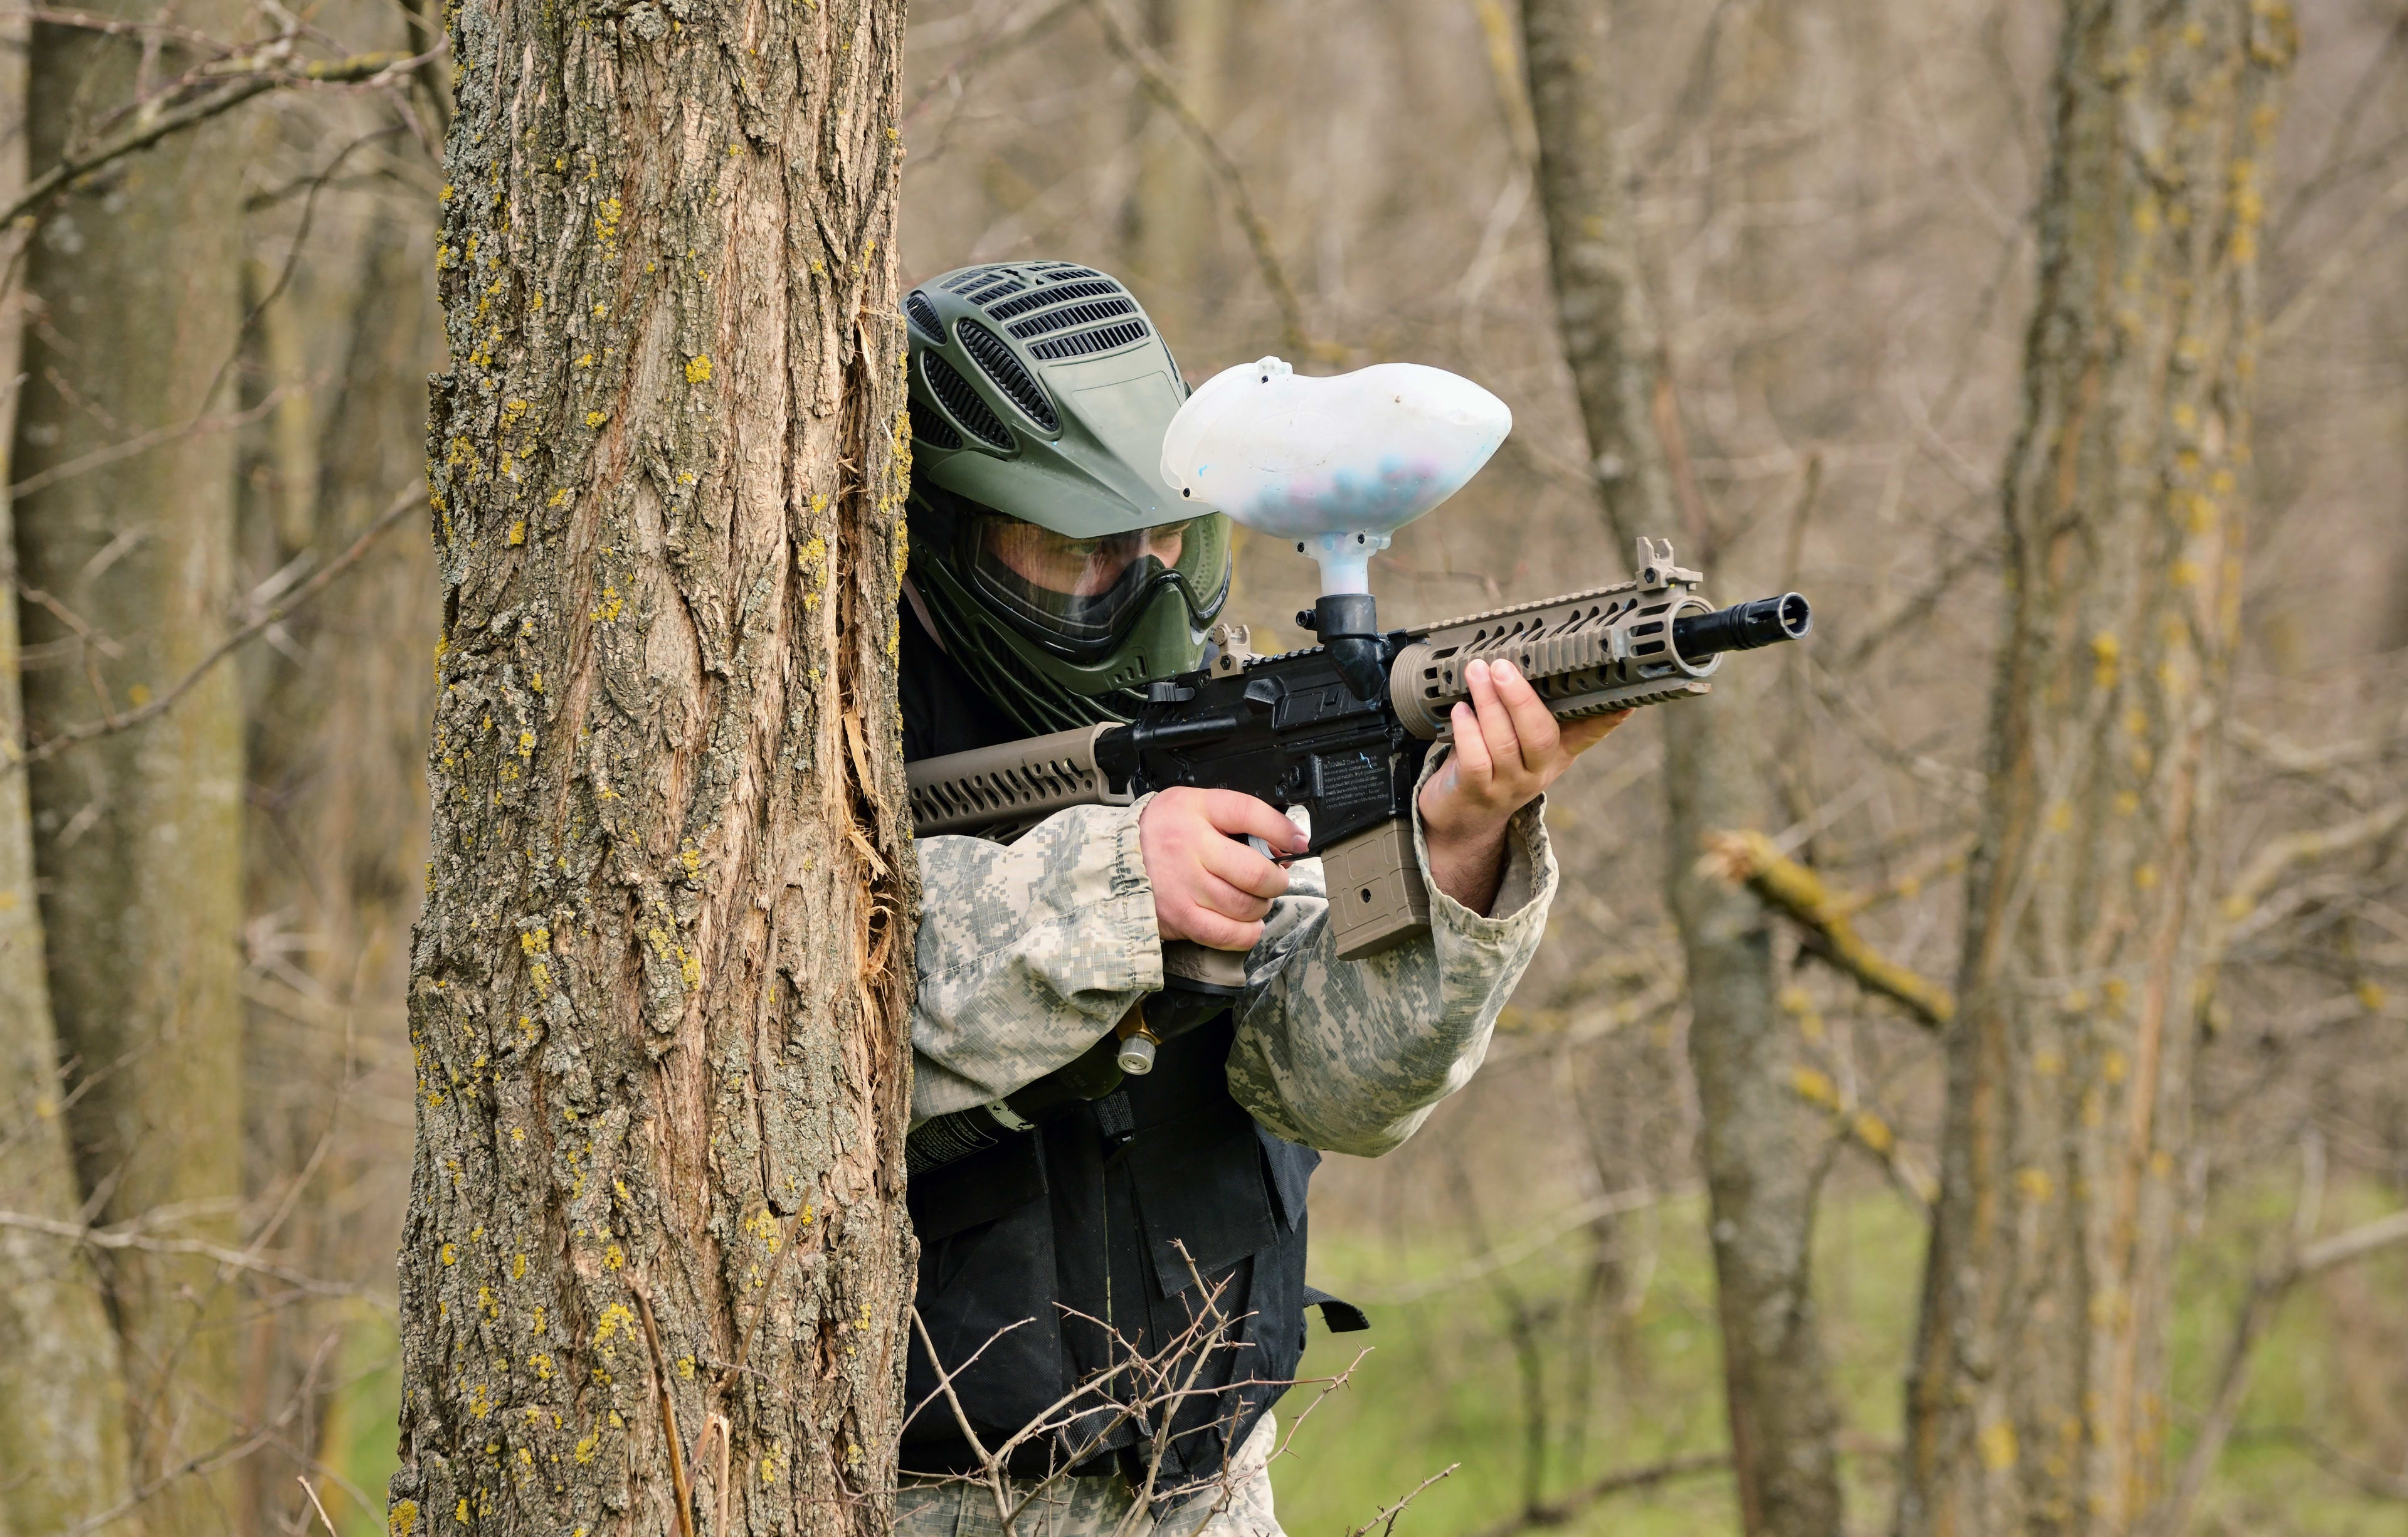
[[1341, 728]]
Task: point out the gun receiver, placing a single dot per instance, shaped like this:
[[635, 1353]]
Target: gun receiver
[[1315, 727]]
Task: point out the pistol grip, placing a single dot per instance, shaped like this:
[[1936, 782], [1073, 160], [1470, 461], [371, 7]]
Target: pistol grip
[[1376, 897]]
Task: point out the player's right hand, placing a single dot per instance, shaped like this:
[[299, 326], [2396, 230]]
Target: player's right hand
[[1208, 886]]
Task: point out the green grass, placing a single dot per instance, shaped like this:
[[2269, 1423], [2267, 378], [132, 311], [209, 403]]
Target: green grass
[[1441, 1384], [1444, 1385]]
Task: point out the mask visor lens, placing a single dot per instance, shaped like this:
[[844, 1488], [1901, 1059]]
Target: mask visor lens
[[1082, 595]]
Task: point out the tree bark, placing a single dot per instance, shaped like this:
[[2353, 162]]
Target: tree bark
[[2036, 1401], [659, 996], [1756, 1134], [137, 835], [61, 1390]]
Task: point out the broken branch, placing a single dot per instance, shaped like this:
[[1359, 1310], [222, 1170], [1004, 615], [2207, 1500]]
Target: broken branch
[[1750, 859]]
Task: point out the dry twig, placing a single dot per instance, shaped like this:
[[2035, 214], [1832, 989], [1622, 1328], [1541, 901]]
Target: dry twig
[[359, 68], [1386, 1519], [1258, 235], [2266, 1292], [109, 725], [668, 1410], [314, 1504]]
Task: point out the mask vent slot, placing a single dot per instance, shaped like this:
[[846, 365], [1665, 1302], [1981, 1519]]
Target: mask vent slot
[[933, 430], [1079, 343], [924, 315], [1075, 314], [994, 291], [995, 357], [964, 402], [1065, 274], [1027, 302]]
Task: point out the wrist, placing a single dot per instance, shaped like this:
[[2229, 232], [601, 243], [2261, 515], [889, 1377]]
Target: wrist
[[1454, 828]]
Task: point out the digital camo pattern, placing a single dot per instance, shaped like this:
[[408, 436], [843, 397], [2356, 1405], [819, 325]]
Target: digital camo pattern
[[1349, 1057], [1028, 953], [1238, 1505]]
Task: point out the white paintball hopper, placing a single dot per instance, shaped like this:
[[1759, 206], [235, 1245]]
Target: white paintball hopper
[[1336, 465]]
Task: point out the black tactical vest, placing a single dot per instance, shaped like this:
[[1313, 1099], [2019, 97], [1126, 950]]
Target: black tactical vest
[[1053, 1254]]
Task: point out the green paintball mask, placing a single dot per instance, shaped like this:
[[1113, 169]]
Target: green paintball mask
[[1056, 568]]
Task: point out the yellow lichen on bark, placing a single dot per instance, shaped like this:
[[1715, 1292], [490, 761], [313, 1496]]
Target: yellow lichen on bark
[[635, 1035]]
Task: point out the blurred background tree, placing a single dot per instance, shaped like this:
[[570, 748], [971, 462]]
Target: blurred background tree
[[1816, 290]]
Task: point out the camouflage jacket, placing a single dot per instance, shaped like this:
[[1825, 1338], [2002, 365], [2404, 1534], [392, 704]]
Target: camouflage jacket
[[1030, 952]]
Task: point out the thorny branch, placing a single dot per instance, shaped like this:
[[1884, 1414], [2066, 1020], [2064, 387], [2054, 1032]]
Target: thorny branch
[[1386, 1519], [1148, 1390]]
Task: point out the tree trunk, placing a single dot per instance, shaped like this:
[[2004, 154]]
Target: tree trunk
[[61, 1393], [2037, 1402], [1757, 1135], [659, 995], [139, 834], [1170, 222]]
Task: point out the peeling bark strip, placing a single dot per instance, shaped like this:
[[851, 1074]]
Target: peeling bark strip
[[1783, 1416], [2037, 1402], [659, 997]]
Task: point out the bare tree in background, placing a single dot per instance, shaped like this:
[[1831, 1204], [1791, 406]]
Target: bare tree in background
[[135, 304], [61, 1414], [1169, 221], [340, 289], [1755, 1132], [2039, 1391], [656, 1253]]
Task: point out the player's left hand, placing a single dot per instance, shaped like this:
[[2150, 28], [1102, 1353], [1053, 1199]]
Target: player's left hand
[[1509, 747]]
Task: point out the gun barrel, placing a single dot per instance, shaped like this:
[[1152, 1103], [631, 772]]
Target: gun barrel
[[1743, 627]]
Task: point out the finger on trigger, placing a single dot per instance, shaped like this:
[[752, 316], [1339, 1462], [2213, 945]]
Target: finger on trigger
[[1218, 896], [1236, 811]]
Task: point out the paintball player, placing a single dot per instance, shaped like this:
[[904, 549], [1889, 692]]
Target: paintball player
[[1052, 576]]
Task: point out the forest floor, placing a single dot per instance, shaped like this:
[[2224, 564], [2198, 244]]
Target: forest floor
[[1444, 1382]]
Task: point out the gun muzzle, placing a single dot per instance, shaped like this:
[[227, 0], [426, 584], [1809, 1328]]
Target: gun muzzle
[[1743, 627]]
